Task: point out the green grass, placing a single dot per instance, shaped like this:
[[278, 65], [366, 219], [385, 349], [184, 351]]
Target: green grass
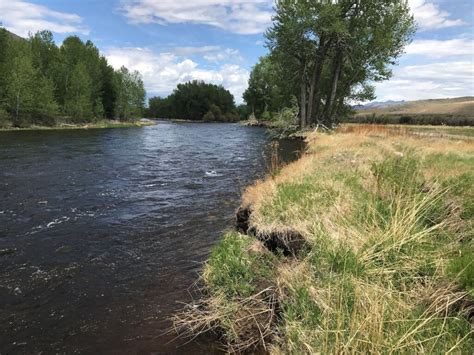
[[461, 267], [235, 270], [458, 131]]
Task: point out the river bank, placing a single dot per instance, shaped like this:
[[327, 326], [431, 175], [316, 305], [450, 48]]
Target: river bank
[[96, 125], [363, 245]]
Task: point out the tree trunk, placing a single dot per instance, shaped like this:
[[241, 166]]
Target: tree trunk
[[329, 109], [314, 97], [17, 118], [303, 104]]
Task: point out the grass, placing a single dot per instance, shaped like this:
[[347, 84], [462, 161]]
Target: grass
[[388, 218], [412, 130], [96, 125]]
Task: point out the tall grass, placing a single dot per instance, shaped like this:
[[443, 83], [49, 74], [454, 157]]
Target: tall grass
[[389, 263]]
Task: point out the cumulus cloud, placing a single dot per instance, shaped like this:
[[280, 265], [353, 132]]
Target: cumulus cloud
[[163, 71], [238, 16], [21, 18], [429, 16], [442, 48], [438, 80]]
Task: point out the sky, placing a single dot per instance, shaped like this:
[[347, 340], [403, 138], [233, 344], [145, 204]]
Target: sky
[[219, 41]]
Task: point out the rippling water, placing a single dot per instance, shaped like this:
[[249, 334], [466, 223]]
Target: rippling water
[[102, 232]]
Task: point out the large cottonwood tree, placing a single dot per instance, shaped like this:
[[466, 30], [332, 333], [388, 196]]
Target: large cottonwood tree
[[333, 50]]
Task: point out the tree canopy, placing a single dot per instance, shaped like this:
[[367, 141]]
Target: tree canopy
[[198, 101], [327, 53], [41, 83]]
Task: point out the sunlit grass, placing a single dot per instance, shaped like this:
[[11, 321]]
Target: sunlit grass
[[389, 269]]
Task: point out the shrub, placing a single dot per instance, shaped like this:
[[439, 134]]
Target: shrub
[[209, 117], [5, 121], [266, 116]]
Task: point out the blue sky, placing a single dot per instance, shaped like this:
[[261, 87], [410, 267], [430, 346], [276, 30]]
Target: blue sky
[[173, 41]]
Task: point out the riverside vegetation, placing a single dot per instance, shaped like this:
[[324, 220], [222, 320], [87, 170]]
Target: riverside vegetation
[[42, 84], [197, 101], [364, 245], [325, 54]]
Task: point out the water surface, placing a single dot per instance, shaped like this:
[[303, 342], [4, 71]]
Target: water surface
[[102, 232]]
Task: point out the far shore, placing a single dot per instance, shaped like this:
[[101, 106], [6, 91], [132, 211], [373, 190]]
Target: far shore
[[97, 125]]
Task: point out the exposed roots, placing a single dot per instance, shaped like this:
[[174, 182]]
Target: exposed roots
[[241, 325], [287, 241]]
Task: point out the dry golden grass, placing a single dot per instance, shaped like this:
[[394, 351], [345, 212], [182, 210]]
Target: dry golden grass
[[460, 106]]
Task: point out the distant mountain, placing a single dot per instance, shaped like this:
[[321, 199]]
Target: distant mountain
[[378, 104]]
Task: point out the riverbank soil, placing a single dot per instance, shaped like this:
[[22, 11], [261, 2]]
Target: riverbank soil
[[383, 262]]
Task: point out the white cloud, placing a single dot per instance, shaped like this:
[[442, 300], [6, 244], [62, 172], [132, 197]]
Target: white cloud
[[212, 54], [238, 16], [221, 55], [249, 16], [429, 81], [430, 16], [442, 48], [163, 71], [21, 18]]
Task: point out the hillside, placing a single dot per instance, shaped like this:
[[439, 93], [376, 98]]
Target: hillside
[[446, 112], [462, 106], [12, 35]]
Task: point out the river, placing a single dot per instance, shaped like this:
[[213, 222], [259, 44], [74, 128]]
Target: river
[[103, 232]]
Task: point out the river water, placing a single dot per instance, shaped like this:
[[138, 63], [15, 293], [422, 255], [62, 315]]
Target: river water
[[103, 232]]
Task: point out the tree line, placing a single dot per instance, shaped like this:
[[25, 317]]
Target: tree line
[[43, 84], [197, 101], [327, 54]]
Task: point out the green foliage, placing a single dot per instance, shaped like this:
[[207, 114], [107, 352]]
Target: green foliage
[[234, 269], [195, 100], [78, 103], [4, 119], [244, 112], [209, 117], [327, 53], [42, 84], [130, 94], [287, 119], [266, 91]]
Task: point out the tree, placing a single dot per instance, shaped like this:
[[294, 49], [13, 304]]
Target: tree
[[196, 100], [20, 95], [130, 94], [266, 91], [332, 50], [41, 83], [78, 104]]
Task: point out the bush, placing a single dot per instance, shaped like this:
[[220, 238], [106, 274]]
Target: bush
[[209, 117], [266, 116], [232, 117], [5, 121], [286, 120]]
